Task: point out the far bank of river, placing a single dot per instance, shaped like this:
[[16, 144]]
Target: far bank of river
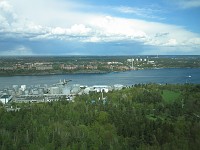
[[162, 76], [7, 74]]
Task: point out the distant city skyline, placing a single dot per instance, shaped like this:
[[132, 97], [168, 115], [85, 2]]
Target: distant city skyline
[[106, 27]]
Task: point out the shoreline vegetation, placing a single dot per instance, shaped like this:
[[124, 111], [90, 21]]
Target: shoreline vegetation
[[71, 73], [5, 74], [55, 73]]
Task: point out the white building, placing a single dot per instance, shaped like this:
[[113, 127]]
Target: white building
[[75, 89], [87, 90], [66, 91], [35, 92], [151, 62], [23, 87], [5, 98], [15, 87], [118, 86], [54, 90], [101, 88]]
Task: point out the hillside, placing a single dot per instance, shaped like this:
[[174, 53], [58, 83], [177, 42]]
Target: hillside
[[141, 117]]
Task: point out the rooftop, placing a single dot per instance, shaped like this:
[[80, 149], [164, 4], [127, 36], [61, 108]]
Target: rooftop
[[5, 96]]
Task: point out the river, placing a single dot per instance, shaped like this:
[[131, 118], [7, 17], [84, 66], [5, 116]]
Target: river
[[172, 76]]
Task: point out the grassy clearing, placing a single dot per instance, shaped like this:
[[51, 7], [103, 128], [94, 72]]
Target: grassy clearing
[[170, 96]]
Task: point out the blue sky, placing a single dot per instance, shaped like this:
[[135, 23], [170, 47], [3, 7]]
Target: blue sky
[[106, 27]]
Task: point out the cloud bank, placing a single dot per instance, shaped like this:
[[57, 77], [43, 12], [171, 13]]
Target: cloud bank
[[90, 27]]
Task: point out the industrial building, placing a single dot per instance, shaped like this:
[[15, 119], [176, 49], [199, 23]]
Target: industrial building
[[5, 98], [38, 93]]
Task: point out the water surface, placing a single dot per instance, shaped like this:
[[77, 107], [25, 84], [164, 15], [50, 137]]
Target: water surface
[[126, 78]]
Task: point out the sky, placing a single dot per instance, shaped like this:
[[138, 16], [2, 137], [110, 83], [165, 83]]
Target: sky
[[105, 27]]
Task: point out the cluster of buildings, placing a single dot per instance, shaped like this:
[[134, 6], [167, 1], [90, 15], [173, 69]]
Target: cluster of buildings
[[38, 93], [28, 66], [136, 60], [74, 67], [139, 62], [107, 66]]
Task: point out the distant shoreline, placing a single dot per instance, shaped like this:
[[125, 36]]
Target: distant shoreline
[[85, 72], [49, 74]]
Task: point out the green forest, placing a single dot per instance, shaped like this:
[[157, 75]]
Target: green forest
[[144, 116]]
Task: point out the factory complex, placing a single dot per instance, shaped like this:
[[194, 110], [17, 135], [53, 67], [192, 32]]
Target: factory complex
[[45, 93]]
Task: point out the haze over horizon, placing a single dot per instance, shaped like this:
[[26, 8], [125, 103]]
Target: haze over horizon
[[114, 27]]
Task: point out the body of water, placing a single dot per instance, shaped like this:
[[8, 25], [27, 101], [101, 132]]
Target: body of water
[[162, 76]]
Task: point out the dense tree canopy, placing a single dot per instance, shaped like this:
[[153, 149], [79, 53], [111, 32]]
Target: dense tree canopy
[[140, 117]]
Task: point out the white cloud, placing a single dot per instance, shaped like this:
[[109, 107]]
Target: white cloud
[[148, 12], [5, 6], [148, 33], [84, 27], [194, 43], [184, 4], [171, 42], [75, 30], [59, 31], [7, 15], [93, 39], [79, 29], [128, 10], [19, 50], [188, 3], [113, 28], [51, 12]]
